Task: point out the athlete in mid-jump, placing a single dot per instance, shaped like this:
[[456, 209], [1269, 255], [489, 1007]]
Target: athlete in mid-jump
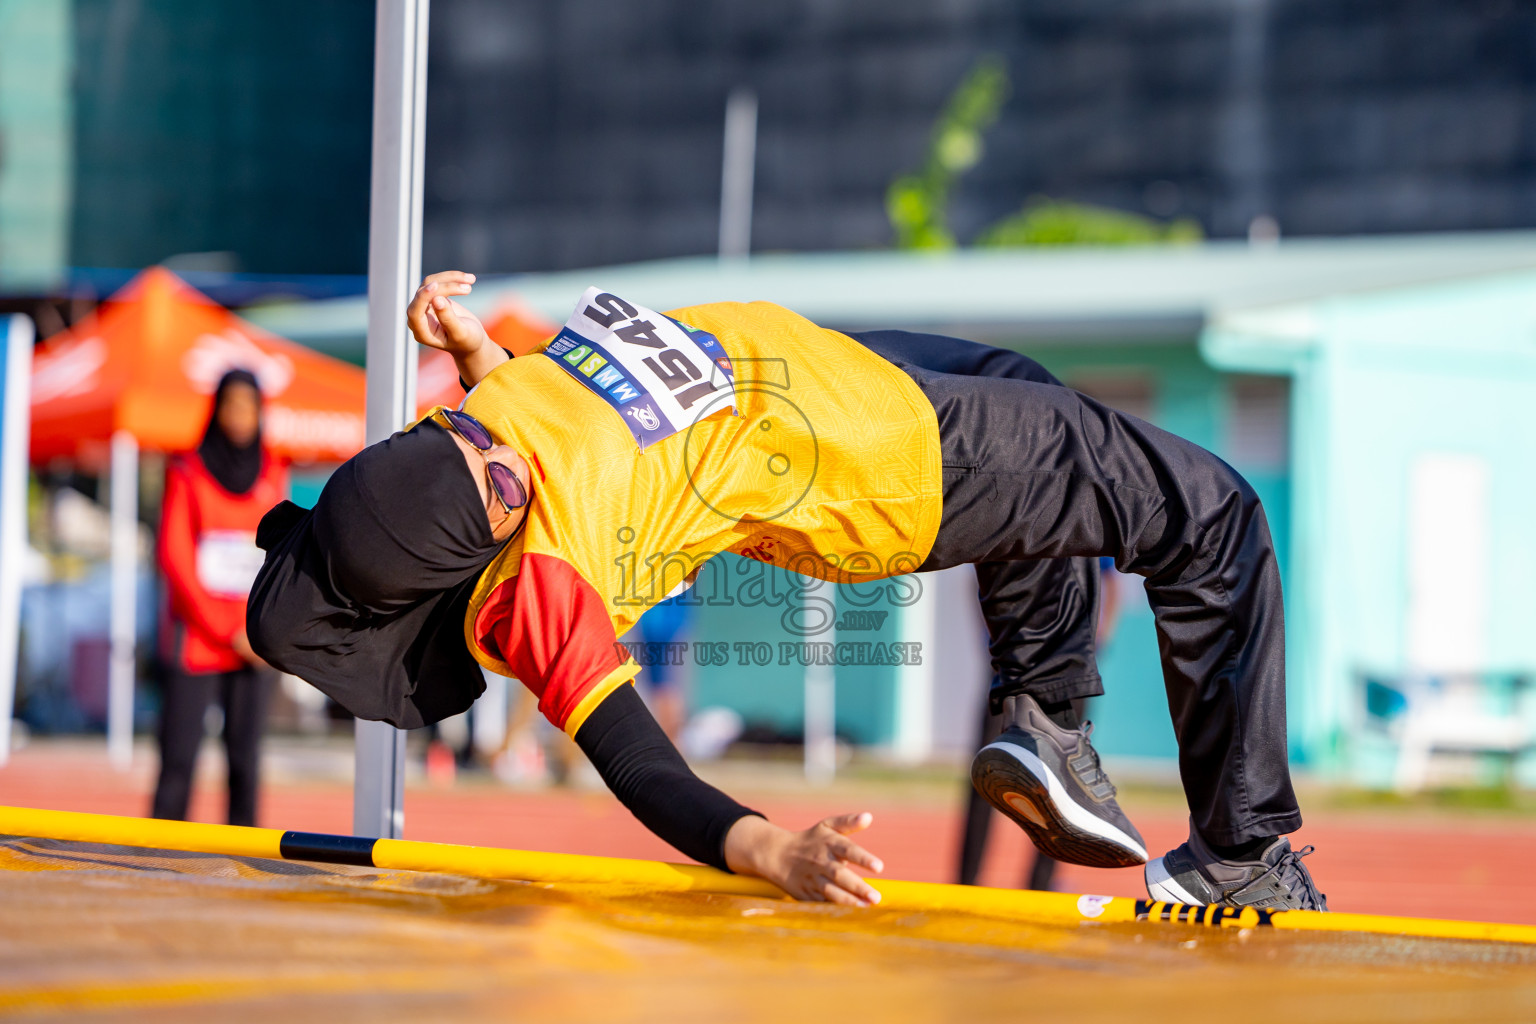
[[575, 488]]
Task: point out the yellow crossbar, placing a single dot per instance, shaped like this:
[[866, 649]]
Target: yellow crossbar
[[655, 876]]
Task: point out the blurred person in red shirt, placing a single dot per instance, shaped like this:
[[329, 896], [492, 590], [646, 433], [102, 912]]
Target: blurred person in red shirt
[[214, 498]]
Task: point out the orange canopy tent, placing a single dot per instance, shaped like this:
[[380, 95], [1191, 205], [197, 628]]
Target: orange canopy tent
[[147, 361], [519, 329], [513, 326], [140, 373]]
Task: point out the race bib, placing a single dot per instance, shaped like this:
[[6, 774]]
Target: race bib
[[228, 561], [658, 374]]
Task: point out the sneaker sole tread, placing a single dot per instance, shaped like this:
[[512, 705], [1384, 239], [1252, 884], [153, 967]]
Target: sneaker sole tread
[[997, 773]]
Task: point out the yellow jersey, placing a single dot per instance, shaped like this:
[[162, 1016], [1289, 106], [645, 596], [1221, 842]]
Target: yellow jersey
[[828, 465]]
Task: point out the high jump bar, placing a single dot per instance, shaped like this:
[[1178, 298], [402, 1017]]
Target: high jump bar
[[566, 869]]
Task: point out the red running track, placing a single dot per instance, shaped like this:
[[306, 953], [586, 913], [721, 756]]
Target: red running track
[[1452, 864]]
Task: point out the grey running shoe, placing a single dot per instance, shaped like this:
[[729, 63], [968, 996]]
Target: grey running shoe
[[1275, 879], [1048, 780]]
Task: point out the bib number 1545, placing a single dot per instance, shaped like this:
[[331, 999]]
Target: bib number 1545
[[650, 368]]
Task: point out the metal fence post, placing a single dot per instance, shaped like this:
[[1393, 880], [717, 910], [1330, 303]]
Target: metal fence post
[[736, 172], [15, 424], [124, 572]]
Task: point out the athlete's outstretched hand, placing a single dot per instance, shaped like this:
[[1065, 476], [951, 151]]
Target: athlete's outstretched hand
[[817, 864], [437, 321]]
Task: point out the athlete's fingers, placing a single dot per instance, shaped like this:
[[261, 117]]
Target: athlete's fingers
[[430, 291], [418, 317], [831, 893], [454, 328], [847, 889], [443, 277], [850, 882], [846, 824], [847, 850]]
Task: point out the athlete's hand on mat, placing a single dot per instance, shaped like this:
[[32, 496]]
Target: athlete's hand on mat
[[817, 864]]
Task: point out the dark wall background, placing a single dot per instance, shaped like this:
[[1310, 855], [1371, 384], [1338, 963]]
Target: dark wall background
[[589, 131], [565, 133], [236, 126]]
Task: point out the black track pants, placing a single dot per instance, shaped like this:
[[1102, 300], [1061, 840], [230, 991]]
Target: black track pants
[[1035, 471], [243, 694], [1041, 613]]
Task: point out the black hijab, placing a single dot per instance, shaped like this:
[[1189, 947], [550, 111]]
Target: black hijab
[[364, 595], [234, 467]]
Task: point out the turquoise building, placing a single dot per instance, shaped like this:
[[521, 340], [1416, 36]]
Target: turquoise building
[[1380, 394]]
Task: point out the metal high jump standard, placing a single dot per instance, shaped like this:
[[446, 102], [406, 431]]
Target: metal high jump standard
[[394, 266]]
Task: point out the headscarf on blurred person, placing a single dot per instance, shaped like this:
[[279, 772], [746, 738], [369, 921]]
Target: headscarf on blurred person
[[233, 465]]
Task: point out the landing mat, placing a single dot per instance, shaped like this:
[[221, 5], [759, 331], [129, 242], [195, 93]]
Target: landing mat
[[92, 932]]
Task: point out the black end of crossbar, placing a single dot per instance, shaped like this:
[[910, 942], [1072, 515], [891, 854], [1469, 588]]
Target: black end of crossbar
[[327, 849]]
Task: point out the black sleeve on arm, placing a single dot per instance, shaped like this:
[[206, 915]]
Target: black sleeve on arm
[[648, 775]]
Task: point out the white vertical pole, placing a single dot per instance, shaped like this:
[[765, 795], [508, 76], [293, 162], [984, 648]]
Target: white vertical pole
[[394, 267], [15, 426], [736, 172], [914, 683], [490, 714], [124, 560], [821, 717]]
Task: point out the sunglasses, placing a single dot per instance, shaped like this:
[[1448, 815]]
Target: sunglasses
[[508, 488]]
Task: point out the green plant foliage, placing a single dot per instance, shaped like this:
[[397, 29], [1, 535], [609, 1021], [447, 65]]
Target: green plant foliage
[[918, 204], [1045, 221]]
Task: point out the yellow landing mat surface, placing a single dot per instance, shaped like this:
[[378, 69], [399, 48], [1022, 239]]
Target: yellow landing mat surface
[[93, 932]]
